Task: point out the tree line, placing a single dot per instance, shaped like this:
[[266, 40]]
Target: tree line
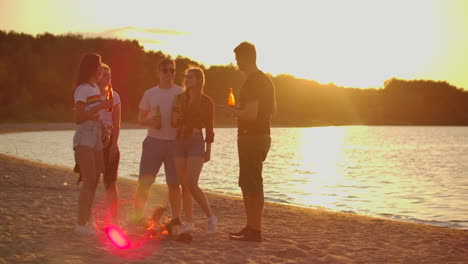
[[37, 75]]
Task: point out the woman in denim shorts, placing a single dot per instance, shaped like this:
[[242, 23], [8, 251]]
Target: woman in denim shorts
[[192, 150], [87, 141]]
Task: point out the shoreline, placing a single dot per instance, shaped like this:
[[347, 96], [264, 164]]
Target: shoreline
[[38, 216], [28, 126]]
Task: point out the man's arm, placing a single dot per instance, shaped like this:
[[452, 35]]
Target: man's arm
[[144, 120], [249, 112]]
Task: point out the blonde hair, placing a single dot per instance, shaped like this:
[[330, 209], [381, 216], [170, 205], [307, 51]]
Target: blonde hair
[[105, 66], [199, 74]]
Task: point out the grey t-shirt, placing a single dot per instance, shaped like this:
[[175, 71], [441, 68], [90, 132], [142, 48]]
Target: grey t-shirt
[[162, 97]]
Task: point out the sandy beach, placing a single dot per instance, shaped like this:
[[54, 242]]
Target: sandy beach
[[38, 213]]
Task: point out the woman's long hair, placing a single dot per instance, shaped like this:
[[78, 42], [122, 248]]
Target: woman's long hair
[[88, 66], [199, 75]]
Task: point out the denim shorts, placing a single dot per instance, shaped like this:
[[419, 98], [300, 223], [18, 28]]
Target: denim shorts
[[88, 134], [192, 145], [156, 152]]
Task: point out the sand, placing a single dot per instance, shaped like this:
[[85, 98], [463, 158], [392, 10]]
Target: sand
[[38, 214]]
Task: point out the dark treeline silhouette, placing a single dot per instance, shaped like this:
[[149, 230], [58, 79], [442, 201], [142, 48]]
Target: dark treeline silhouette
[[37, 76]]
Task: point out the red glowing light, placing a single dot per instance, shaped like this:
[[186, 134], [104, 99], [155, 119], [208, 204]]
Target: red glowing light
[[117, 237]]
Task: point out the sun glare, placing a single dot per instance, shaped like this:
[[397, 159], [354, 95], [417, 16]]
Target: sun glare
[[320, 151], [318, 160]]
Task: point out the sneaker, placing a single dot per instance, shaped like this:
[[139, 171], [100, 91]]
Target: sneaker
[[212, 222], [187, 228], [85, 230]]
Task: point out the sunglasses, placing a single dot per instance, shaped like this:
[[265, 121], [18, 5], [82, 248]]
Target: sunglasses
[[168, 70]]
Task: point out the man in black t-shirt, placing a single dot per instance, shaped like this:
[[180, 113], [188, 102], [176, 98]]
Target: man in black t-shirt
[[257, 104]]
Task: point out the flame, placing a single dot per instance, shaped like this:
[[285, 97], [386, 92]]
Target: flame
[[156, 230]]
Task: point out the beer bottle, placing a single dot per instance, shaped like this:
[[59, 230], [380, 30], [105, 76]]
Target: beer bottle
[[109, 96], [231, 101], [156, 115], [176, 109]]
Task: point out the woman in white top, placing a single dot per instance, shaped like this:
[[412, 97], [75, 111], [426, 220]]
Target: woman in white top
[[87, 141]]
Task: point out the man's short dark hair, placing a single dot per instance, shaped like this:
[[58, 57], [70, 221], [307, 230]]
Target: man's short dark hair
[[246, 49], [164, 63]]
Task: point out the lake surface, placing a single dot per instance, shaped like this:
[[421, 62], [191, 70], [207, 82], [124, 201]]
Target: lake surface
[[416, 174]]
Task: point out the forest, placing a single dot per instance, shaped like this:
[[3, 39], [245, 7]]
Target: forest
[[37, 74]]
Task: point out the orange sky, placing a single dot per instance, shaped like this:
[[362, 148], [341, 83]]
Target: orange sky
[[359, 43]]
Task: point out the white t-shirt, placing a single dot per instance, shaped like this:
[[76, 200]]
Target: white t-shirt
[[89, 94], [164, 98], [106, 117]]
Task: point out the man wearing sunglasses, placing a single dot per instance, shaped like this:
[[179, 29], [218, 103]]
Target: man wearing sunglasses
[[158, 146]]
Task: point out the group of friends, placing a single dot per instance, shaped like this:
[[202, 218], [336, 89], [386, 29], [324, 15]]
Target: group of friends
[[174, 138]]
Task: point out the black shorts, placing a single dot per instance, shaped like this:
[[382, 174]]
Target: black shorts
[[252, 150]]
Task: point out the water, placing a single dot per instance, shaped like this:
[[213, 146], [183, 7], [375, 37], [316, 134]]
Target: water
[[415, 174]]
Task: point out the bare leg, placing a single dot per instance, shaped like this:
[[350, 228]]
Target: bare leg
[[112, 194], [175, 200], [141, 197], [99, 162], [194, 167], [181, 169], [112, 200], [89, 162]]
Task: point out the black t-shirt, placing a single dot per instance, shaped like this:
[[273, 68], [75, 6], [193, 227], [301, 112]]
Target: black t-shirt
[[257, 87]]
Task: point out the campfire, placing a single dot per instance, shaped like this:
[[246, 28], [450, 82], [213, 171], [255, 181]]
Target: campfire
[[155, 229]]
